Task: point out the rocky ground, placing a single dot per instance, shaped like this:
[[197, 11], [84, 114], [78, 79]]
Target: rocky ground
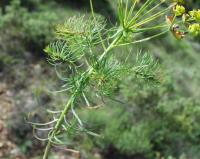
[[23, 91], [8, 149]]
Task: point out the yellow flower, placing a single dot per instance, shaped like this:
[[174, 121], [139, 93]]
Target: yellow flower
[[179, 10], [194, 29], [195, 14]]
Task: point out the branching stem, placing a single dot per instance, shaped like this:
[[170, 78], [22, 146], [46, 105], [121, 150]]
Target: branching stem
[[71, 99], [57, 126], [82, 83]]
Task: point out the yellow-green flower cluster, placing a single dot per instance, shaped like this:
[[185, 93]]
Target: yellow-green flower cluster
[[194, 29], [179, 10], [195, 14], [190, 19]]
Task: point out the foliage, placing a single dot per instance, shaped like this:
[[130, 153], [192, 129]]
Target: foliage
[[71, 44], [31, 30], [75, 43], [151, 127], [151, 109], [10, 26], [127, 137]]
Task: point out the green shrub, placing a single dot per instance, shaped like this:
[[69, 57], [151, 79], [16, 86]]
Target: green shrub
[[146, 130], [31, 30], [38, 29], [119, 131], [10, 27]]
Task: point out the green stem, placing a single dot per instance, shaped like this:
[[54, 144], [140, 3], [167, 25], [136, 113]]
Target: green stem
[[100, 36], [112, 45], [86, 74], [145, 39], [47, 149], [57, 126], [69, 103]]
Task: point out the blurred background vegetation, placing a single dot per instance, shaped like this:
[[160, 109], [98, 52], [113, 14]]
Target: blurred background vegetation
[[159, 122]]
